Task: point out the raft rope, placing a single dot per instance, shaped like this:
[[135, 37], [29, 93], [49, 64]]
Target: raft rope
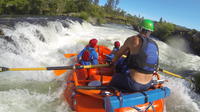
[[146, 97], [140, 110], [146, 101]]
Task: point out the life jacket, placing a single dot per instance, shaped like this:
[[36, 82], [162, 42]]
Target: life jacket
[[115, 49], [86, 55], [146, 61], [111, 55]]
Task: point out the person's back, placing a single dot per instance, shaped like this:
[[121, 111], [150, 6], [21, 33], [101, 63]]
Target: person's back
[[141, 64], [142, 61], [88, 56]]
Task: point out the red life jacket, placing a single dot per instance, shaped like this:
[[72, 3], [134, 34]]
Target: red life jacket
[[86, 55]]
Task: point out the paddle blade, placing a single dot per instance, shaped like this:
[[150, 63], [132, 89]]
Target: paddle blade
[[70, 55], [59, 72]]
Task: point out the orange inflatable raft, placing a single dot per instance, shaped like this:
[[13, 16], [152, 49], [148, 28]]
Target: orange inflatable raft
[[87, 90]]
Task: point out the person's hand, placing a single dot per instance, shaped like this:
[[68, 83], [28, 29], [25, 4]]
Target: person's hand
[[112, 63]]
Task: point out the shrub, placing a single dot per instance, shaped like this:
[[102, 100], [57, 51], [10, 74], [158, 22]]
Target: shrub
[[163, 30], [84, 15]]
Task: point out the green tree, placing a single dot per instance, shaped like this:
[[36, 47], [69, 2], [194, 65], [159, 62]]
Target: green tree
[[70, 6], [163, 30], [83, 5], [36, 6], [112, 4], [116, 3], [161, 20], [15, 6], [2, 3]]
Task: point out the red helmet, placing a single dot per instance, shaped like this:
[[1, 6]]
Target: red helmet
[[117, 44], [93, 42]]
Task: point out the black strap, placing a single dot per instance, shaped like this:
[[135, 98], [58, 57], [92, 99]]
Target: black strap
[[121, 99], [164, 89], [138, 109], [150, 105], [151, 65], [146, 97]]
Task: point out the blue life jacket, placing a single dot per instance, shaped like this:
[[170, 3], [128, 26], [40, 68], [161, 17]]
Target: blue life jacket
[[111, 55], [115, 49], [93, 56], [121, 66], [146, 61]]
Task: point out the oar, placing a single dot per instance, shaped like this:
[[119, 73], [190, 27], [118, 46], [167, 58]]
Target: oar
[[94, 87], [173, 74], [3, 69], [70, 55], [60, 72]]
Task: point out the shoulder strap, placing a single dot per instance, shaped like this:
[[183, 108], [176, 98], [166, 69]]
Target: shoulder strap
[[144, 41]]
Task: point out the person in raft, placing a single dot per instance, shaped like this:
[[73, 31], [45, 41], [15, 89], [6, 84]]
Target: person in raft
[[88, 56], [112, 54], [142, 61]]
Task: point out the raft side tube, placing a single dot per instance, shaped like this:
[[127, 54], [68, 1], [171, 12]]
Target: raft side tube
[[129, 100]]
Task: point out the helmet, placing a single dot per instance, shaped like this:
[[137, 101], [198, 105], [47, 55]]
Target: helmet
[[147, 25], [117, 44], [93, 42]]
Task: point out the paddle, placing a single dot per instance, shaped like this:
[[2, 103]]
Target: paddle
[[70, 55], [95, 87], [3, 69], [60, 72], [173, 74]]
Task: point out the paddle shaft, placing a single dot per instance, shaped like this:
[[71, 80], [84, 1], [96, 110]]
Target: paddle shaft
[[95, 87], [2, 69], [173, 74]]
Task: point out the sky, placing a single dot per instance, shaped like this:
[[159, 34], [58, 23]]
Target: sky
[[180, 12]]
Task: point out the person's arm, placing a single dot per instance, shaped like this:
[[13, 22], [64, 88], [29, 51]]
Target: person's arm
[[122, 50]]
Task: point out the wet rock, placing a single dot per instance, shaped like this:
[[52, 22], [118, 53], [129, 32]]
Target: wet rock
[[196, 79], [197, 35], [7, 38], [42, 20], [1, 32], [40, 36]]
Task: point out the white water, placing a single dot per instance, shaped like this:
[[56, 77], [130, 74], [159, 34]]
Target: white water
[[41, 91]]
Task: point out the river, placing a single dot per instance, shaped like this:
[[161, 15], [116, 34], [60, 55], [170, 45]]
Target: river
[[32, 43]]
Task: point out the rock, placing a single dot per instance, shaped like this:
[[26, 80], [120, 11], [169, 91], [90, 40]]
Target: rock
[[1, 32], [197, 35], [93, 21]]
